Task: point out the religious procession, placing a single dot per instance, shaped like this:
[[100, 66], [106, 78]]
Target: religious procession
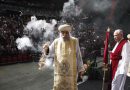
[[65, 45]]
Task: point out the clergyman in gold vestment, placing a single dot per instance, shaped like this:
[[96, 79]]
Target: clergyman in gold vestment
[[67, 59]]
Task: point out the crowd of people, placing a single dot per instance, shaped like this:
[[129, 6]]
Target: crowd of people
[[12, 26], [10, 29]]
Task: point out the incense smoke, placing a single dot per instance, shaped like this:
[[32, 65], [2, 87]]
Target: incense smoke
[[38, 32], [70, 9], [26, 42]]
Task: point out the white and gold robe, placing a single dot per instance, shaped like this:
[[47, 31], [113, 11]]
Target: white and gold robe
[[67, 63]]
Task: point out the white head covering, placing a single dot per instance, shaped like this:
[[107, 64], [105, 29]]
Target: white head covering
[[65, 27], [128, 36]]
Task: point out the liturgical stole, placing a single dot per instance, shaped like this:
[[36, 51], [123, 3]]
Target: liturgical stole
[[65, 69], [116, 56]]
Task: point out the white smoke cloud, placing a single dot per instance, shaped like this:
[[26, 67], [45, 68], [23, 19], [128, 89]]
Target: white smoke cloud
[[101, 5], [38, 31], [49, 62], [49, 27], [36, 25], [24, 42], [70, 9], [54, 22], [95, 5]]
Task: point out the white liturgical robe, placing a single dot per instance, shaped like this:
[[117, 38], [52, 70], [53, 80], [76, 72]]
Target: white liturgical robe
[[67, 63]]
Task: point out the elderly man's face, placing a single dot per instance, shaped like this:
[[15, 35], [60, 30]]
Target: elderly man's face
[[117, 36], [65, 34]]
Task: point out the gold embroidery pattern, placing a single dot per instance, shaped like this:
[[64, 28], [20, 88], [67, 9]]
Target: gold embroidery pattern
[[64, 85], [64, 67]]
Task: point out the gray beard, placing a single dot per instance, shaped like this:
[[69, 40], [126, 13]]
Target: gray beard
[[66, 39]]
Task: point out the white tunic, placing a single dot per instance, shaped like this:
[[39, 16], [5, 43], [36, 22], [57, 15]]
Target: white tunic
[[128, 73], [119, 79]]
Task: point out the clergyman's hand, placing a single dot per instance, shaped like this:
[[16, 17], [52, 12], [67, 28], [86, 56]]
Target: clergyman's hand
[[46, 47]]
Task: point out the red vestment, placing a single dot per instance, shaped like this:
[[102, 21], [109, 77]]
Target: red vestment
[[116, 56]]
